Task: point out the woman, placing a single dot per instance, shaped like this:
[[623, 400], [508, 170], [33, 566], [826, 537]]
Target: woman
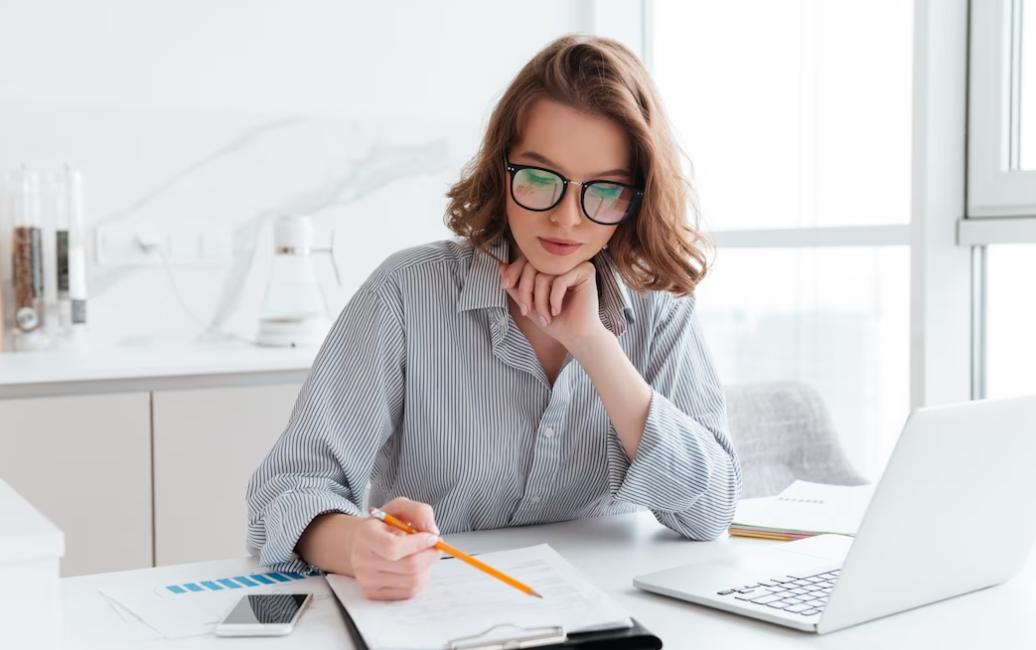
[[548, 366]]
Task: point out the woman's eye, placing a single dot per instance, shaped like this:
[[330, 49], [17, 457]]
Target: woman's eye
[[542, 179], [607, 193]]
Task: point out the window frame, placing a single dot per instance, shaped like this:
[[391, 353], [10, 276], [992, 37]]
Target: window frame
[[995, 189]]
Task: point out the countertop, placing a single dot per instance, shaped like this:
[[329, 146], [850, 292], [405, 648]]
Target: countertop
[[25, 534], [34, 374]]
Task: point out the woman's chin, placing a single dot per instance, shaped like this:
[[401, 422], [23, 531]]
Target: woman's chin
[[554, 265]]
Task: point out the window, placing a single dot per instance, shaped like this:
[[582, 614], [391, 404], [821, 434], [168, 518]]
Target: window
[[1011, 320], [794, 113], [835, 318], [1002, 116], [1027, 85], [797, 116]]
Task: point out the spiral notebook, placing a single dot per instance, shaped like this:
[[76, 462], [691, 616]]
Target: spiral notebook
[[464, 609]]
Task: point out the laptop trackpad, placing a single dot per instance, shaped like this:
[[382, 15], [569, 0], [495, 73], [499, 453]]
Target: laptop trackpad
[[811, 555]]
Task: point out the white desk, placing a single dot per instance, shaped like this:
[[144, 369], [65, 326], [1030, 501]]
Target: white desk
[[611, 551]]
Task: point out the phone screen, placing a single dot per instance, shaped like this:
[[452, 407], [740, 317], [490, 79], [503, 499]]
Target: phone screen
[[266, 609]]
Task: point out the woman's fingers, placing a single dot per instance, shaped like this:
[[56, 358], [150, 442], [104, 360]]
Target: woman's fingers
[[526, 286], [411, 565], [389, 593], [389, 546], [390, 564], [414, 512], [530, 289], [563, 283], [557, 294], [386, 580], [542, 298], [510, 273]]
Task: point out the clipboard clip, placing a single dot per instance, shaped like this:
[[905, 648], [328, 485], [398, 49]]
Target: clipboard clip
[[525, 638]]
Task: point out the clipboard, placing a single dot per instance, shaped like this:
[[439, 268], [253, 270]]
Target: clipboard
[[551, 638]]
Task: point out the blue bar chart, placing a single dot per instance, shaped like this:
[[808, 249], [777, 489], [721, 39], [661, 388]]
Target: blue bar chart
[[239, 582]]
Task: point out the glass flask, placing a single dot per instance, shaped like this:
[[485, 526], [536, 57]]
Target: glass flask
[[294, 312]]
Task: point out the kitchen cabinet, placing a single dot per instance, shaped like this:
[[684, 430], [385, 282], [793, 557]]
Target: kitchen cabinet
[[207, 444], [84, 462]]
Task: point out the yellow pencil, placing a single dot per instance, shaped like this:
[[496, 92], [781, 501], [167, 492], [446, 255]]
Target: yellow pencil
[[455, 552]]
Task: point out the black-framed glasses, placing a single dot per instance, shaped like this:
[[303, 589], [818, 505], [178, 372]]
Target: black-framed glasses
[[605, 202]]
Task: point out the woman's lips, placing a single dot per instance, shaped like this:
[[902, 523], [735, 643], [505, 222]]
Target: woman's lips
[[559, 246]]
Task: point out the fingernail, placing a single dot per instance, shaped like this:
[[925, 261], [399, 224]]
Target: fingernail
[[525, 310], [432, 541], [506, 283], [543, 320], [554, 311]]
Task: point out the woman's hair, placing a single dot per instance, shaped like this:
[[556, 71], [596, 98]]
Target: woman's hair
[[656, 249]]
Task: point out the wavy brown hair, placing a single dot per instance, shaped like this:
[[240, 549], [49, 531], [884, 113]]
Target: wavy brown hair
[[657, 249]]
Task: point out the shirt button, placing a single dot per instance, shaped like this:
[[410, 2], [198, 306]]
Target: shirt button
[[535, 499], [548, 432]]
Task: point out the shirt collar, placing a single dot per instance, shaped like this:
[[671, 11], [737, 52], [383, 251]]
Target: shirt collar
[[482, 288], [616, 310], [482, 285]]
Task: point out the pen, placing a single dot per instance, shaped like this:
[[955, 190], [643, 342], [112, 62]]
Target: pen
[[455, 552]]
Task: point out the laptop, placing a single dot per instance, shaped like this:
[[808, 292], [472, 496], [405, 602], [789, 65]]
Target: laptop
[[951, 514]]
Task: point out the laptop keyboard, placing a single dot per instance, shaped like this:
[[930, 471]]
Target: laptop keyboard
[[797, 594]]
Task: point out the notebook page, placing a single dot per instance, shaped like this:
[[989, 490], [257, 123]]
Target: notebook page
[[811, 507], [461, 601]]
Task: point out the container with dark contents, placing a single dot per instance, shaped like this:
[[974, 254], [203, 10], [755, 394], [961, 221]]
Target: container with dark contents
[[27, 277], [26, 256]]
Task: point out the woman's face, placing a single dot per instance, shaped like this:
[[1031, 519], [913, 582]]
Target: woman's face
[[580, 147]]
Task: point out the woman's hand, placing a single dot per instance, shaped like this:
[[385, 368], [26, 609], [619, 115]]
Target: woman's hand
[[390, 564], [564, 306]]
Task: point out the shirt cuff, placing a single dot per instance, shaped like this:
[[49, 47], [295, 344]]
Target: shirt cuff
[[287, 517], [673, 464]]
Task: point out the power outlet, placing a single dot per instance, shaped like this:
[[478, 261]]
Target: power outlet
[[144, 246]]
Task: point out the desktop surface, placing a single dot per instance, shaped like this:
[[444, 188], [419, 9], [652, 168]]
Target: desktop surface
[[610, 551]]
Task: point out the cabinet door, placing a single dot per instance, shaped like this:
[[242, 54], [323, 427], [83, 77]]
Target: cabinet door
[[208, 443], [85, 462]]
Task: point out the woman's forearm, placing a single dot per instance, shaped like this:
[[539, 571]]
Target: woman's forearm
[[624, 393], [327, 543]]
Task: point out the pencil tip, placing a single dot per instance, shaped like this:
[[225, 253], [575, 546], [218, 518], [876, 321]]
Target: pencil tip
[[534, 593]]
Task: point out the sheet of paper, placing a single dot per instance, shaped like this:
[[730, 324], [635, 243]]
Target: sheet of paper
[[461, 601], [806, 506], [188, 613]]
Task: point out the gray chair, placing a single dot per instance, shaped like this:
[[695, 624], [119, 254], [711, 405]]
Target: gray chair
[[782, 432]]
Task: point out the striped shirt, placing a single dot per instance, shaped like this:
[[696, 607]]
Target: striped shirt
[[426, 388]]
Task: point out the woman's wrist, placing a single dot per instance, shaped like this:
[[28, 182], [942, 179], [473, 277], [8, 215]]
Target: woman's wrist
[[594, 343], [328, 541], [623, 391]]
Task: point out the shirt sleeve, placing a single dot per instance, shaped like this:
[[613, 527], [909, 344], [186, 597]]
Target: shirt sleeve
[[348, 408], [686, 470]]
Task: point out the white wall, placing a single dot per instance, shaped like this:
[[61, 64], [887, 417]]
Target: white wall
[[225, 113]]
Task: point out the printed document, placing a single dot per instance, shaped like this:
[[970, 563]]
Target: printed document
[[461, 601]]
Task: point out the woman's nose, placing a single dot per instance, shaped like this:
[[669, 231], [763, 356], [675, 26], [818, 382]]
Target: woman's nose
[[569, 212]]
